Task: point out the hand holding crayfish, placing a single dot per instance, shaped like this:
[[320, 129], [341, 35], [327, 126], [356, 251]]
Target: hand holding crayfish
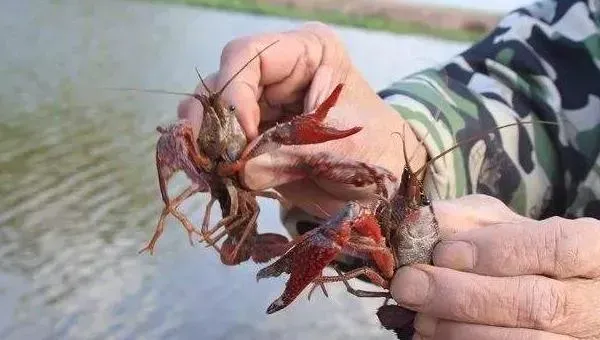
[[295, 75], [504, 276]]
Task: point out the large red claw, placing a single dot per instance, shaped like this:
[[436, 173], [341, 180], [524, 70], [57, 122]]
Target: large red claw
[[300, 130], [323, 109], [305, 262], [308, 128], [309, 131]]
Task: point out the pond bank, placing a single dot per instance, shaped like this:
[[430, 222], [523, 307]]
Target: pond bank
[[387, 15]]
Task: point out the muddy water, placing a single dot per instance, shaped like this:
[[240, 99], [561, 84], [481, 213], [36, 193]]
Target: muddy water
[[78, 191]]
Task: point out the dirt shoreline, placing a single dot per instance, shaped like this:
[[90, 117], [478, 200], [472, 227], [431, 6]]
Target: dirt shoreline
[[427, 15]]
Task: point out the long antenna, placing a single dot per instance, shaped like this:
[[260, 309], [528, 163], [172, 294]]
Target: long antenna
[[153, 91], [203, 83], [243, 67], [476, 137]]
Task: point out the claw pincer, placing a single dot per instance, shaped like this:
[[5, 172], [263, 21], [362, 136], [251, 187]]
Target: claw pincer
[[310, 255]]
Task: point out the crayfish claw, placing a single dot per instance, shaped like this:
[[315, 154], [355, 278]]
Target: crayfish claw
[[275, 269], [277, 305]]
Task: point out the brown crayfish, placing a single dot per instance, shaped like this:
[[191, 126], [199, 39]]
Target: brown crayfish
[[212, 162], [396, 228]]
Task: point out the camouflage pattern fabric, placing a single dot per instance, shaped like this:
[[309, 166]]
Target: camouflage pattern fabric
[[542, 62]]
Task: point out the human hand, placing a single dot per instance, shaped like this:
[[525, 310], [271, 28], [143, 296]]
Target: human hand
[[504, 276], [296, 74]]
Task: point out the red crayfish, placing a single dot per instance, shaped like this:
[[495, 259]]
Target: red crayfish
[[386, 232], [212, 162], [395, 228]]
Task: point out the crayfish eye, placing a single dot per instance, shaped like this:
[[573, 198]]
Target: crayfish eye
[[425, 200], [231, 108]]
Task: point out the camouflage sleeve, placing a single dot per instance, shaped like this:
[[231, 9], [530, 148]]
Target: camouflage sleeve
[[542, 62]]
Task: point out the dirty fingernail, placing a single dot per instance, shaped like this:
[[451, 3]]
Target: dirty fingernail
[[457, 255], [410, 287], [425, 325]]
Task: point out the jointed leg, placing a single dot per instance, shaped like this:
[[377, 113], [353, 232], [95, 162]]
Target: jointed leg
[[273, 195], [370, 273], [251, 226], [232, 223], [171, 207], [312, 289], [207, 213]]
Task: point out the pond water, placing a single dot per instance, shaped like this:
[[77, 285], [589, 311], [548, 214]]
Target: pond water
[[78, 190]]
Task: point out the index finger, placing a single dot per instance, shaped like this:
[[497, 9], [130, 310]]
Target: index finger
[[555, 247], [243, 85]]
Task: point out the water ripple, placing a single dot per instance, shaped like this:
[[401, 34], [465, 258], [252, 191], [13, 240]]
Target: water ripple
[[78, 188]]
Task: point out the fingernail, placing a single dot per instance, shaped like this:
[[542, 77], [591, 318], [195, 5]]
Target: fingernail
[[411, 287], [457, 255], [425, 325], [416, 336]]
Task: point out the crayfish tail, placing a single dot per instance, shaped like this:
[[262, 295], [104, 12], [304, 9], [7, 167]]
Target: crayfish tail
[[397, 319]]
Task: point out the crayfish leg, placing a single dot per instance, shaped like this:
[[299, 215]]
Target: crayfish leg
[[372, 274], [359, 292], [171, 207]]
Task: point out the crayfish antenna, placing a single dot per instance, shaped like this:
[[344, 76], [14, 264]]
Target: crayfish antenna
[[243, 67], [159, 91], [473, 138], [203, 83]]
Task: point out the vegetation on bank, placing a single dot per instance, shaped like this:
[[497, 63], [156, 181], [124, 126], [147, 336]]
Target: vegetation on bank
[[371, 22]]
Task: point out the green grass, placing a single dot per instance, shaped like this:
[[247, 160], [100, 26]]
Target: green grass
[[365, 22]]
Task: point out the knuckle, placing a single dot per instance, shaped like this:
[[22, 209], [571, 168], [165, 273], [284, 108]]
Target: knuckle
[[236, 47], [468, 307], [324, 33], [486, 200], [542, 304], [561, 245], [318, 26]]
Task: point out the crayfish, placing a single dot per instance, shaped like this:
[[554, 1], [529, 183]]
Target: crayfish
[[212, 162], [394, 228], [388, 232]]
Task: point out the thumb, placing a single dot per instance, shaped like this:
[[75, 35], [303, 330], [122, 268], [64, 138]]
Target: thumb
[[470, 212], [191, 109]]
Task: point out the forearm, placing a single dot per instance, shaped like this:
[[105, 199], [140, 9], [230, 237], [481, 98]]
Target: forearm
[[522, 71]]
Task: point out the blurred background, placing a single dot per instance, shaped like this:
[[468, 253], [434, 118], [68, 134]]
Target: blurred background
[[78, 187]]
